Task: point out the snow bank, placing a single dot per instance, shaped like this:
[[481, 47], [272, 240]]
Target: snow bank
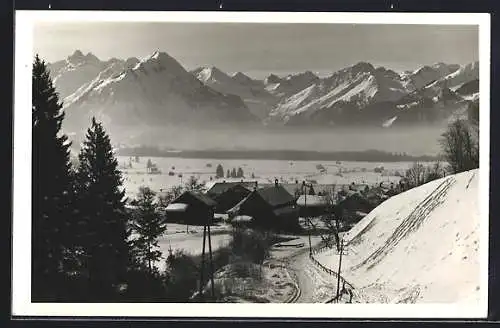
[[418, 246]]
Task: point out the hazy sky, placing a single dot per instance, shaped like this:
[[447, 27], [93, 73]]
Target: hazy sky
[[259, 49]]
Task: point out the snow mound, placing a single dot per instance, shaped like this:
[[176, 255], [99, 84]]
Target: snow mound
[[418, 246]]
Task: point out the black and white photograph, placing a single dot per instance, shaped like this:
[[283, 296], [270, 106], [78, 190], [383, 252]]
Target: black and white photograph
[[322, 160]]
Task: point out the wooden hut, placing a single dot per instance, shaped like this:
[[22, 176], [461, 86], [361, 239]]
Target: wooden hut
[[349, 208], [191, 207], [229, 198], [219, 188], [271, 208]]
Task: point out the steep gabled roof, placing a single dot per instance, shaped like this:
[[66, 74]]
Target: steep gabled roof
[[276, 195], [237, 207], [204, 199], [221, 187]]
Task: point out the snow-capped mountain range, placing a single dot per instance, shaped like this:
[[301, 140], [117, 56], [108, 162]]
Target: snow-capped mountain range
[[252, 92], [152, 91], [157, 90]]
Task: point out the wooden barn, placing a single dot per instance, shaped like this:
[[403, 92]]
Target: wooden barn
[[191, 207], [353, 207], [271, 208], [376, 196], [229, 198], [218, 188]]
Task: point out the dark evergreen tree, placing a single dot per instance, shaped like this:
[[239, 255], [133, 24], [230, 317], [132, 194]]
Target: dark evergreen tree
[[228, 175], [104, 240], [311, 190], [51, 188], [233, 173], [240, 173], [219, 171], [148, 225]]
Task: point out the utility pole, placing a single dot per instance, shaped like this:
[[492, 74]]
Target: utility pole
[[206, 229], [340, 265], [203, 263], [211, 262], [307, 219]]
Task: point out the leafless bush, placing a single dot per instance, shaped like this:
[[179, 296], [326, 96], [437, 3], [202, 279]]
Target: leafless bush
[[415, 175], [460, 146]]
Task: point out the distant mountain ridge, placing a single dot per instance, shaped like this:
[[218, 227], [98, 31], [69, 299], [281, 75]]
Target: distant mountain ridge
[[252, 92], [363, 94], [157, 90], [151, 92]]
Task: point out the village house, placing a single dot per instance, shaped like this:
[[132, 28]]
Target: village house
[[219, 188], [270, 208], [353, 207], [230, 197], [376, 196], [191, 207]]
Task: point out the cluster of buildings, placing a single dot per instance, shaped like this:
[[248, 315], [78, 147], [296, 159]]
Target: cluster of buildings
[[275, 206]]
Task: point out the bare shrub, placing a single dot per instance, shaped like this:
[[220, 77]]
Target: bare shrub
[[415, 175], [460, 146]]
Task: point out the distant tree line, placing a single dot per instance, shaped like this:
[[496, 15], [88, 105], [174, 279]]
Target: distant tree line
[[366, 156], [219, 172]]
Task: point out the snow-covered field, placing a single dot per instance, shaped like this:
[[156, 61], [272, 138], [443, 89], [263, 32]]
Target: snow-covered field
[[265, 171], [191, 242], [418, 246]]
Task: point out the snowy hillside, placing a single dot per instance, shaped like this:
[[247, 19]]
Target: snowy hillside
[[155, 91], [252, 92], [419, 246]]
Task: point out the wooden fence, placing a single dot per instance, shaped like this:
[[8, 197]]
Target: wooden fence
[[324, 268]]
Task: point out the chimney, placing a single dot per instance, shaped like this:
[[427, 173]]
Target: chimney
[[276, 182]]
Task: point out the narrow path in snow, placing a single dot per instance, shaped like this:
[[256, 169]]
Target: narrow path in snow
[[315, 286], [298, 264]]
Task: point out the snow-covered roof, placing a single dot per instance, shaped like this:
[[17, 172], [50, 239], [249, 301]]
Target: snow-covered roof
[[176, 207], [220, 187], [242, 219], [311, 200]]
